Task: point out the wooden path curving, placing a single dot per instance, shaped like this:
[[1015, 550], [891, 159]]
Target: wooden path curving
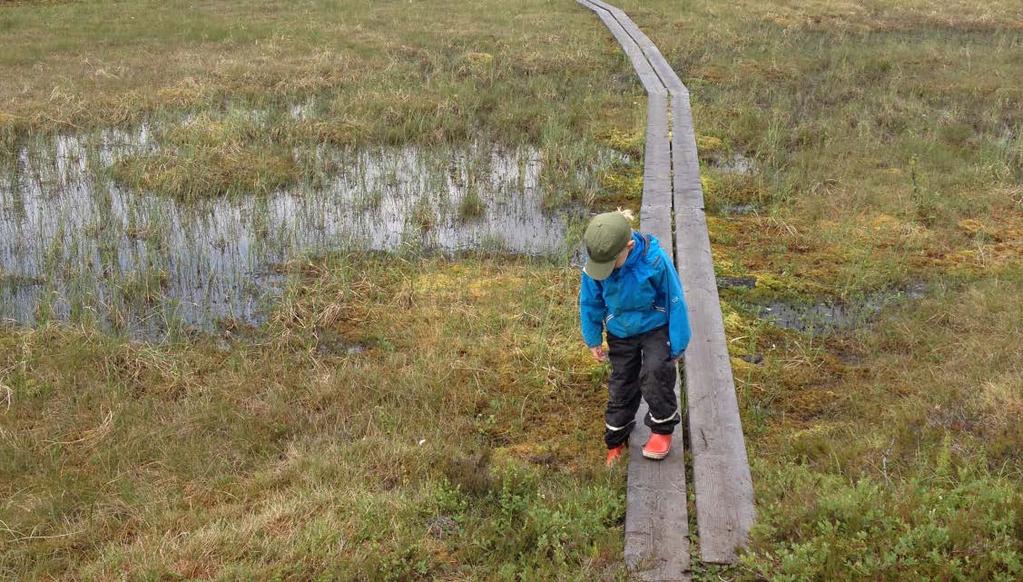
[[656, 524]]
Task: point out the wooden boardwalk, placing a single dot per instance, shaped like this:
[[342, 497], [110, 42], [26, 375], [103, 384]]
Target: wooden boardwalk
[[656, 522]]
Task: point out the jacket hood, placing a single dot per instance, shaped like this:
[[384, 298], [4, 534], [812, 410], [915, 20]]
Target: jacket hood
[[645, 250]]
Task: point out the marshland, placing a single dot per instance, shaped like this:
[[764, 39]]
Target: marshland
[[289, 289]]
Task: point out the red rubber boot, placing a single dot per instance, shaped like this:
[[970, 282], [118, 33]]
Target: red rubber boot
[[613, 454], [657, 447]]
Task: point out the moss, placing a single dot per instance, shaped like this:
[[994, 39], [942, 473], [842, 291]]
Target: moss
[[629, 143], [623, 187], [709, 146], [711, 186]]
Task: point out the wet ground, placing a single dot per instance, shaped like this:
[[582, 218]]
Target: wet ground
[[735, 164], [74, 245], [829, 316]]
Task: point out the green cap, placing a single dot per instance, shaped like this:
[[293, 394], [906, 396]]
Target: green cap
[[605, 237]]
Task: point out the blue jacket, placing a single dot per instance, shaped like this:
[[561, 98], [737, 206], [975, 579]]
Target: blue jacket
[[643, 294]]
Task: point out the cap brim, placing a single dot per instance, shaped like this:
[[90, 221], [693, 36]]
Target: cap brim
[[599, 271]]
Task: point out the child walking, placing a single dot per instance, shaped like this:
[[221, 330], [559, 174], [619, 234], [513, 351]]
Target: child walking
[[630, 289]]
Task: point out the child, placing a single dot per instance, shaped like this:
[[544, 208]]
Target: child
[[630, 287]]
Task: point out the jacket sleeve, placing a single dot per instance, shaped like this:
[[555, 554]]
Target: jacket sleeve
[[678, 316], [591, 312]]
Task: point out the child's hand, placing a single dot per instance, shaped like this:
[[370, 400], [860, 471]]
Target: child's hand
[[599, 354]]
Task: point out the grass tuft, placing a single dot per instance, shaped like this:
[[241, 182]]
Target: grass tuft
[[471, 207], [207, 157]]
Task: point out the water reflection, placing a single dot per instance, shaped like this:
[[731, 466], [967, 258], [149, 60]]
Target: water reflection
[[75, 245]]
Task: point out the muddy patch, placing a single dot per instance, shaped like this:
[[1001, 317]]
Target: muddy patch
[[736, 282], [827, 317], [735, 163], [738, 209]]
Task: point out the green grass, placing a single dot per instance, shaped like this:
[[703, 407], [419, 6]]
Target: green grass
[[366, 73], [886, 138], [206, 157], [270, 455], [887, 145]]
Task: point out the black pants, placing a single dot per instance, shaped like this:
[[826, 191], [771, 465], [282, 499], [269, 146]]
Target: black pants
[[640, 366]]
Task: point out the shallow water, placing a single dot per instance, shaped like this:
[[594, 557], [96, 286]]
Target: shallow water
[[76, 246], [736, 164], [828, 317]]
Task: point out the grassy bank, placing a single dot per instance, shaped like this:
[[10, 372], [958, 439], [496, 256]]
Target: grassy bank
[[884, 142], [371, 69], [322, 443]]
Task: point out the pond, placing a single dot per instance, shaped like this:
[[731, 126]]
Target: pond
[[75, 245]]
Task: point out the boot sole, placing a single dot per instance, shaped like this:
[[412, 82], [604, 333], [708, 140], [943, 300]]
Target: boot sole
[[656, 456]]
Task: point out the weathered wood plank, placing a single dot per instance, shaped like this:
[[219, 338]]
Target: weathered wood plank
[[724, 494], [651, 82], [655, 210], [685, 163], [721, 476], [686, 183], [656, 522], [660, 65], [656, 519]]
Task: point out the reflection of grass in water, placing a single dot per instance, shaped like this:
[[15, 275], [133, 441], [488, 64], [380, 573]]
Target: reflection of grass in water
[[142, 287], [371, 201], [471, 207], [423, 215], [131, 236]]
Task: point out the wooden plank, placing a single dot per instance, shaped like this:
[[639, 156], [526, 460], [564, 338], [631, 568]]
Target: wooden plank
[[656, 519], [685, 163], [655, 210], [721, 476], [651, 82], [686, 186], [724, 492], [660, 65]]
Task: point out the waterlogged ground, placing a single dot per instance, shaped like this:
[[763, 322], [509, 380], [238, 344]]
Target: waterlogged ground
[[849, 150], [828, 316], [77, 244]]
